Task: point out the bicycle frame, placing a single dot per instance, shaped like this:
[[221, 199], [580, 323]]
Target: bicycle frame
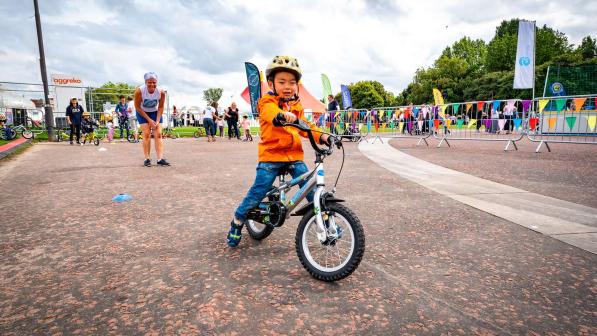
[[314, 179]]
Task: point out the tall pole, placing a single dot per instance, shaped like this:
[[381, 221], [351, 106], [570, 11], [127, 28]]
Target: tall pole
[[534, 53], [44, 76]]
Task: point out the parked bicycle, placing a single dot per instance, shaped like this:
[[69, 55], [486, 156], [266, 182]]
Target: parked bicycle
[[330, 240], [11, 132], [200, 132]]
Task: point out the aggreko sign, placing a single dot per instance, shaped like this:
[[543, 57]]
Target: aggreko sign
[[65, 80]]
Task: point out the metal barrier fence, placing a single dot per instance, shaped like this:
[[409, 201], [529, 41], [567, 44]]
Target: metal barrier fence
[[352, 124], [401, 122], [497, 120], [566, 119]]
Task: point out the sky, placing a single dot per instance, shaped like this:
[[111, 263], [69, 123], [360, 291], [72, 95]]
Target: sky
[[195, 45]]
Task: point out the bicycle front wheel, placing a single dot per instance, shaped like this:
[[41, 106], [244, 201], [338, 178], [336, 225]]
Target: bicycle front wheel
[[342, 251], [27, 134]]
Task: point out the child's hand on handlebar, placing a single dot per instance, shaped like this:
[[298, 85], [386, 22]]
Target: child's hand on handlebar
[[289, 117]]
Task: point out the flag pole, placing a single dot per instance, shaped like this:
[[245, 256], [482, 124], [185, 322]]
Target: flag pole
[[534, 53]]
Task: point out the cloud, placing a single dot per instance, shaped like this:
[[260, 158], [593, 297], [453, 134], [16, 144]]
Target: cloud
[[194, 45]]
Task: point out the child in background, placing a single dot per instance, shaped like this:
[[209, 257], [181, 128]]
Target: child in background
[[220, 124], [110, 126], [246, 125], [87, 125]]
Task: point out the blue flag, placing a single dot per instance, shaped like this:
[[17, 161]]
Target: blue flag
[[346, 101], [254, 83]]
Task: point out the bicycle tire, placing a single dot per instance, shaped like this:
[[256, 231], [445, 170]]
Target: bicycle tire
[[357, 251], [197, 134], [96, 141], [258, 233], [27, 134]]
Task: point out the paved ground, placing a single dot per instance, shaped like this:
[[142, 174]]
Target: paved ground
[[73, 262], [567, 173]]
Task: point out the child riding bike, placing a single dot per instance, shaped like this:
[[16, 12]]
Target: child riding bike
[[280, 148], [87, 125]]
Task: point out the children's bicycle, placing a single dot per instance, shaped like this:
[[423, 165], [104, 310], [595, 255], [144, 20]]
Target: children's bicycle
[[11, 132], [330, 240], [200, 132]]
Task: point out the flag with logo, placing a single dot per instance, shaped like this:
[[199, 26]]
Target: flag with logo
[[524, 71], [346, 101], [254, 83]]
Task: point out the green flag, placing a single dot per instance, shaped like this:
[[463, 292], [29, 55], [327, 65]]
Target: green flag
[[560, 103], [327, 88], [571, 121]]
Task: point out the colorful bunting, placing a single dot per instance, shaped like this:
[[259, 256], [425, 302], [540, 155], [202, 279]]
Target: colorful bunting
[[487, 123], [571, 121], [591, 121], [560, 103], [578, 103], [517, 123], [468, 106], [460, 122], [455, 108], [526, 104], [472, 123], [480, 105], [552, 122], [430, 123], [409, 126], [501, 124], [542, 104], [511, 103], [496, 105], [448, 122], [533, 123], [420, 124], [436, 123], [400, 126]]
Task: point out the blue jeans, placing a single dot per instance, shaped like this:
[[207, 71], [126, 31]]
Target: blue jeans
[[266, 176], [210, 127]]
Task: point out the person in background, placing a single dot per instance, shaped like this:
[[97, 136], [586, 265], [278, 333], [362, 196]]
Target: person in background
[[246, 124], [332, 107], [208, 121], [174, 116], [87, 125], [232, 120], [74, 116], [110, 127], [133, 123], [123, 117], [149, 104], [220, 124]]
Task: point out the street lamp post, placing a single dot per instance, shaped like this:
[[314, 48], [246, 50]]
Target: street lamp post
[[44, 76]]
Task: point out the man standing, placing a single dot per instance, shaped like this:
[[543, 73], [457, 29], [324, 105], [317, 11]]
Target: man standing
[[123, 117], [332, 106], [74, 113]]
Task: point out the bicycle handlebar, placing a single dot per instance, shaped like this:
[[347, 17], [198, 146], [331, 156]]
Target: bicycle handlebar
[[301, 125]]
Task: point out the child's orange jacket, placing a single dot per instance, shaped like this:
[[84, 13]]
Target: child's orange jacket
[[281, 144]]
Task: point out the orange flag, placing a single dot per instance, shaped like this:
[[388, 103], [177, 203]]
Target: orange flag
[[578, 103], [552, 122], [468, 106]]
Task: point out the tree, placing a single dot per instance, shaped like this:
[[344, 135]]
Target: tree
[[107, 93], [368, 94], [212, 95], [587, 48]]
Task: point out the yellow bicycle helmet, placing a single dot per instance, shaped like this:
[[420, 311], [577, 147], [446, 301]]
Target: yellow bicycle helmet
[[283, 63], [86, 114]]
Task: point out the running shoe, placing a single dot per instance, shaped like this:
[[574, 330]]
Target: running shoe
[[147, 163], [163, 162], [234, 235]]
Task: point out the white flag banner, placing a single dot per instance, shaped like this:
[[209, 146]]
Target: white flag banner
[[525, 56]]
